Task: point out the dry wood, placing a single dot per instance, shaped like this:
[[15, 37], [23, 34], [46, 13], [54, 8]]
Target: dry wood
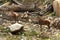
[[56, 6], [5, 4]]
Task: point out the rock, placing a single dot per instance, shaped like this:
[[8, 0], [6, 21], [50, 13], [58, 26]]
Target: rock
[[56, 23], [25, 15], [1, 15], [30, 20], [15, 27]]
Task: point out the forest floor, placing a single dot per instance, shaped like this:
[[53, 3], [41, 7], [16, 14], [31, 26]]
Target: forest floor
[[31, 31]]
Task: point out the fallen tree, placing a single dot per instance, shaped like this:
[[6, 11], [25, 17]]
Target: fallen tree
[[17, 6], [20, 6]]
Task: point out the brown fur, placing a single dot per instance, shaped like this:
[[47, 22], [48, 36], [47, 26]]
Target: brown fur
[[43, 22]]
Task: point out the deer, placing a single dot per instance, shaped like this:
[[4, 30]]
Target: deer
[[41, 22]]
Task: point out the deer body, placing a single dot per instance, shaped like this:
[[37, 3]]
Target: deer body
[[42, 21]]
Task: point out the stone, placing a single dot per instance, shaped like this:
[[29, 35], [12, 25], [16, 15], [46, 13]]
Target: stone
[[15, 27]]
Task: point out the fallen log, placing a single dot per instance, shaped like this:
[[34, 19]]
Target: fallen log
[[21, 6], [15, 7], [29, 6]]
